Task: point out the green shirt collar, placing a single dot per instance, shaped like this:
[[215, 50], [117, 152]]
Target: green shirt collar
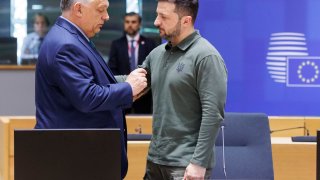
[[188, 41]]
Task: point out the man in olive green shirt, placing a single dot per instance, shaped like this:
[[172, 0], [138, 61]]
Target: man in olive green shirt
[[189, 81]]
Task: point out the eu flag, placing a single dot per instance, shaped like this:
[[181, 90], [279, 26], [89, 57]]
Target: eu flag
[[303, 71]]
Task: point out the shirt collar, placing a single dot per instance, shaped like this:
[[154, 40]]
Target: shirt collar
[[76, 27], [187, 42], [136, 37]]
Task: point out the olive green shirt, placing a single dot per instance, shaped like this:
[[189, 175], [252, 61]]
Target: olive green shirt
[[188, 85]]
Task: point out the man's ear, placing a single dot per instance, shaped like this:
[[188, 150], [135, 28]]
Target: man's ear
[[186, 20], [77, 9]]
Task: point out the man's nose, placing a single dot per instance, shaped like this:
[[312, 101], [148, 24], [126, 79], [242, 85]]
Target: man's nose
[[156, 22], [106, 17]]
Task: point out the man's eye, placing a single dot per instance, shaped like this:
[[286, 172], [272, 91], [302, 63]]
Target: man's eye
[[101, 10]]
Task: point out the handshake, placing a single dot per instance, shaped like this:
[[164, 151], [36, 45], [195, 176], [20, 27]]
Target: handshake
[[138, 82]]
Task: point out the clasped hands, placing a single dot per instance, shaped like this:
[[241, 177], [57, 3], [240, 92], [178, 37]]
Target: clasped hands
[[138, 82]]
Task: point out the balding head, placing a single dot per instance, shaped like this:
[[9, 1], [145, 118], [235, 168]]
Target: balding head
[[88, 15], [66, 4]]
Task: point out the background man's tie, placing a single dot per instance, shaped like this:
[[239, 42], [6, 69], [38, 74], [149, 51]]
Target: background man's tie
[[132, 57]]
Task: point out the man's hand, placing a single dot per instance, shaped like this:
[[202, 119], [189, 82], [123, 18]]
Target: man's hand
[[142, 93], [194, 172], [137, 80]]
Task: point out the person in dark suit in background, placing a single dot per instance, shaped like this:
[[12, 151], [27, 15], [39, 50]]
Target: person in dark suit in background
[[74, 86], [130, 51]]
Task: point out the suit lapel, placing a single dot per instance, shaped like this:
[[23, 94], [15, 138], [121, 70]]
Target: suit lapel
[[98, 57], [125, 52], [142, 44]]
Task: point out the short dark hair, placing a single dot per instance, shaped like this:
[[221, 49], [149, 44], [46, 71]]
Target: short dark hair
[[185, 7], [46, 20], [133, 14]]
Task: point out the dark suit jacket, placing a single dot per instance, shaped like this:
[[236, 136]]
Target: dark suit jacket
[[119, 63], [75, 88]]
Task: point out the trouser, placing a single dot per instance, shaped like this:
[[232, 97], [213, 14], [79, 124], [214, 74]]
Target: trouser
[[161, 172]]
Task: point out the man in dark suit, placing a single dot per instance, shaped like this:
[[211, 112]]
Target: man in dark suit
[[130, 51], [74, 86]]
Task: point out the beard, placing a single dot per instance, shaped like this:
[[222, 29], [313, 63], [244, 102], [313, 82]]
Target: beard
[[132, 32], [175, 32]]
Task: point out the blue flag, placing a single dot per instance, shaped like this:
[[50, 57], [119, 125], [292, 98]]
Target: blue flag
[[303, 71]]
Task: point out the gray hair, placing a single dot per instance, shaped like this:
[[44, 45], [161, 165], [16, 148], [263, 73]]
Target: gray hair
[[66, 4]]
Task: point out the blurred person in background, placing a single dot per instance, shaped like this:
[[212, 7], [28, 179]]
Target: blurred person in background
[[33, 41]]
